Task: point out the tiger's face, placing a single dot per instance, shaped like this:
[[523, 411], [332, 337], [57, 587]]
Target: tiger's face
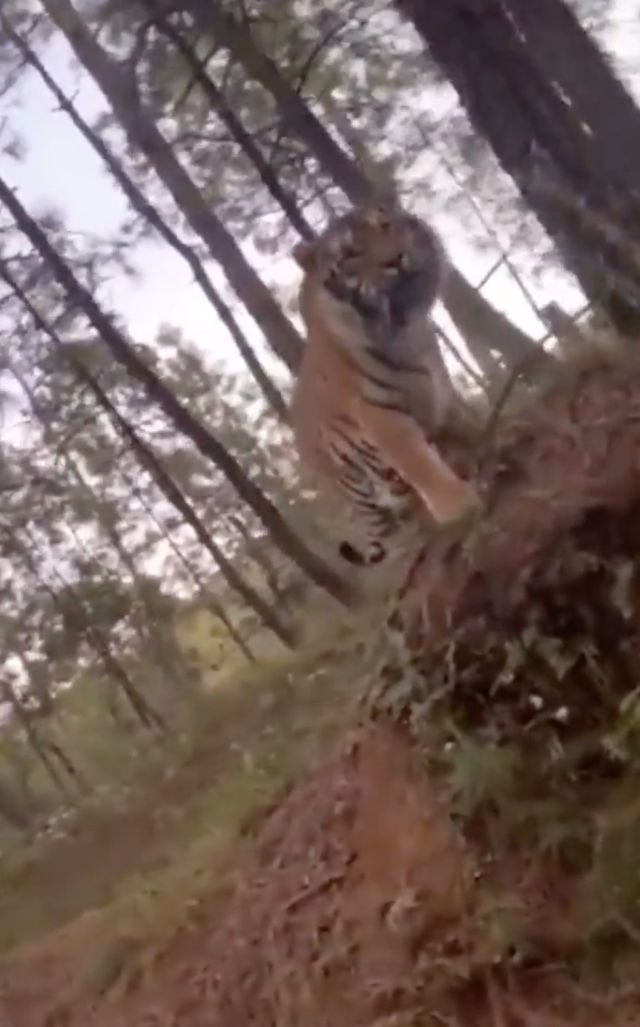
[[377, 262]]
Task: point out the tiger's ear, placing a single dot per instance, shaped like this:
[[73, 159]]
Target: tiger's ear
[[304, 253]]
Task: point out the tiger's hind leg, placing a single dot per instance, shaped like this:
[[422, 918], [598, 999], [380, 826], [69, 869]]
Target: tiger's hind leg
[[381, 501]]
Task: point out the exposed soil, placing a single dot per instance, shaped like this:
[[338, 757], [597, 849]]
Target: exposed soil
[[357, 902], [344, 877], [355, 907]]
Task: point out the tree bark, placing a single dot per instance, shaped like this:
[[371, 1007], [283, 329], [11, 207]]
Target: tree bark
[[572, 59], [142, 132], [539, 141], [170, 490], [296, 115], [483, 326], [214, 607], [471, 312], [179, 501], [232, 123], [152, 215], [80, 298]]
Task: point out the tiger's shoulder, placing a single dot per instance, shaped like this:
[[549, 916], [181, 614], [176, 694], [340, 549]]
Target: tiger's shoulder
[[369, 283]]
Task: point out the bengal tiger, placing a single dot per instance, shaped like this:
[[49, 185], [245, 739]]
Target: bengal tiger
[[372, 390]]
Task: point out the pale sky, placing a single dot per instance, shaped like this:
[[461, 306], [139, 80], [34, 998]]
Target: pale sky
[[61, 170]]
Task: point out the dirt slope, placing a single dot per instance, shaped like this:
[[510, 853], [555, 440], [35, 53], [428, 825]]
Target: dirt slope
[[357, 902]]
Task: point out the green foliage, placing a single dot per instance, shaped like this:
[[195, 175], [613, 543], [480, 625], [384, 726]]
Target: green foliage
[[143, 846], [101, 604], [481, 775]]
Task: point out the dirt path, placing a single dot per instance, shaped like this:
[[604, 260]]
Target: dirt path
[[354, 906], [347, 875]]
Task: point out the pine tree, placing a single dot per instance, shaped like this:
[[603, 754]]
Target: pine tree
[[540, 141], [122, 95]]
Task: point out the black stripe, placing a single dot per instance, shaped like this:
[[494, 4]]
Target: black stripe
[[351, 554], [345, 419], [387, 361], [363, 448], [355, 484], [387, 405], [380, 383], [344, 458], [356, 493], [362, 371], [344, 436]]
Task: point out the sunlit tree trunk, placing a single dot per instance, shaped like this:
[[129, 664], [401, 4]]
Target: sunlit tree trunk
[[80, 298], [142, 132], [243, 139], [152, 215], [174, 495], [143, 615], [208, 601], [471, 312]]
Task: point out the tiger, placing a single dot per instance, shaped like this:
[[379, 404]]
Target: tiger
[[372, 390]]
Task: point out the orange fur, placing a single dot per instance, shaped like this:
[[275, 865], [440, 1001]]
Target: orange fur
[[370, 368]]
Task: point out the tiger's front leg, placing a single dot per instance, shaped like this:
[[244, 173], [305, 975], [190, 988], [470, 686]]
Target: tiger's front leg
[[448, 498]]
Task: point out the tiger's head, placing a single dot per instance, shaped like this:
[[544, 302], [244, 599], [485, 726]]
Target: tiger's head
[[377, 265]]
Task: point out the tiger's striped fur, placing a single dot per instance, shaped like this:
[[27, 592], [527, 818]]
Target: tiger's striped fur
[[373, 390]]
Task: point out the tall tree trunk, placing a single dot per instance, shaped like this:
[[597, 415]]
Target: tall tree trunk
[[152, 216], [483, 326], [94, 638], [573, 60], [142, 132], [471, 312], [80, 298], [296, 115], [37, 744], [214, 607], [179, 501], [539, 141], [147, 631], [255, 550], [232, 123]]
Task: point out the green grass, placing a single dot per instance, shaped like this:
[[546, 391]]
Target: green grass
[[139, 856]]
